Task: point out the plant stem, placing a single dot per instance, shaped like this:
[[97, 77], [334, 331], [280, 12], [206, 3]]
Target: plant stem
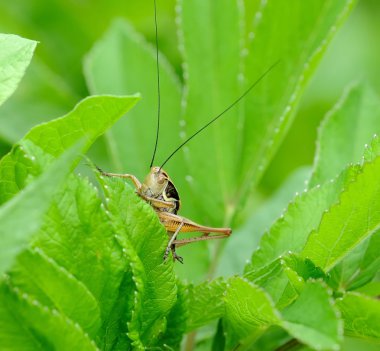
[[190, 341], [292, 344]]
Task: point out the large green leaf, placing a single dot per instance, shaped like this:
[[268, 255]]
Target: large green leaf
[[88, 120], [242, 145], [23, 215], [15, 56]]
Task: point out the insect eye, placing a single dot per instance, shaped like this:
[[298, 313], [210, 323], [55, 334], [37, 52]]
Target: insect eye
[[161, 180]]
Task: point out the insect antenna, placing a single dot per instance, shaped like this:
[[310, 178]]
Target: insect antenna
[[222, 113], [158, 86]]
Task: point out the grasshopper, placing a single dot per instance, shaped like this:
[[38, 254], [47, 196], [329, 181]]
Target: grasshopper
[[160, 192]]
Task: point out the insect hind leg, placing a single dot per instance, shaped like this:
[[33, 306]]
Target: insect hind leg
[[171, 247]]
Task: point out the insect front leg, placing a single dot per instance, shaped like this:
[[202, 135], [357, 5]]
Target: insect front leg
[[159, 204], [170, 245], [133, 178]]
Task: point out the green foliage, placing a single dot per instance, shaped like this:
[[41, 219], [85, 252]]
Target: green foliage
[[15, 56], [83, 258]]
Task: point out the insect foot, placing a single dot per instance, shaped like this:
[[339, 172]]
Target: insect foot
[[175, 256]]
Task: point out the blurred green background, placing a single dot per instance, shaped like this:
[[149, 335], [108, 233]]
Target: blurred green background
[[67, 30]]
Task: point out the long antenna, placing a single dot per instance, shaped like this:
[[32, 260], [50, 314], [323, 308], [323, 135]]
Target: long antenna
[[158, 87], [223, 112]]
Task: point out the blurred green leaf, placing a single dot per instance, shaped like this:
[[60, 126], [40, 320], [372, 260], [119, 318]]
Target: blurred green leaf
[[371, 289], [361, 315], [243, 146], [41, 97], [211, 81], [348, 127], [88, 120], [15, 56]]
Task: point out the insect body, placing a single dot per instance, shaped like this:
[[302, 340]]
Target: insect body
[[159, 191]]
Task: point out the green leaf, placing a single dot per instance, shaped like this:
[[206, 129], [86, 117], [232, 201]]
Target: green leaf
[[345, 131], [355, 218], [313, 319], [78, 236], [88, 120], [249, 311], [176, 321], [285, 277], [122, 62], [291, 230], [51, 330], [359, 267], [138, 225], [361, 315], [205, 303], [23, 215], [15, 56], [303, 216], [55, 287], [371, 289]]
